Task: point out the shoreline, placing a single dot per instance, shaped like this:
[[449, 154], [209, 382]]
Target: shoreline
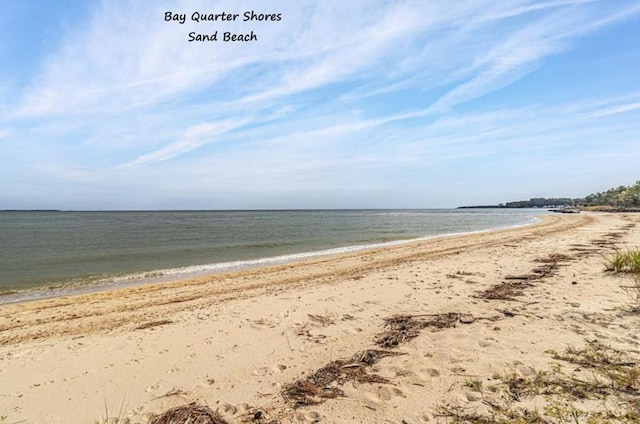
[[196, 282], [167, 275], [234, 341]]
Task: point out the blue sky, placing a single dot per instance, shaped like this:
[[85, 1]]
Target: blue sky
[[359, 104]]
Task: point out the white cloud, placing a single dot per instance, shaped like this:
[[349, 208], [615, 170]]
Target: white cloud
[[512, 9], [614, 110], [194, 137]]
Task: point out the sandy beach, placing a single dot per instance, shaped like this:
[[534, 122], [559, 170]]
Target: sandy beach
[[473, 307]]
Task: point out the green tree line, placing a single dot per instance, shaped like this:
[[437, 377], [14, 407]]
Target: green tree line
[[622, 197], [543, 202], [619, 197]]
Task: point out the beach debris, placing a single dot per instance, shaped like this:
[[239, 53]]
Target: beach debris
[[584, 250], [323, 320], [302, 329], [515, 284], [462, 274], [173, 392], [608, 240], [322, 384], [467, 318], [554, 257], [402, 328], [518, 277], [504, 291], [153, 324], [537, 273], [188, 414]]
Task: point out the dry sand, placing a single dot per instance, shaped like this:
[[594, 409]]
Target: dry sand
[[234, 341]]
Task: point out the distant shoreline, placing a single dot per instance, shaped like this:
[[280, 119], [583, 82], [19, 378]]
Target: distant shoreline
[[485, 207], [30, 210], [610, 209]]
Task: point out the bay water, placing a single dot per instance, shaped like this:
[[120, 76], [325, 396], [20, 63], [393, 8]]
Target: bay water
[[45, 254]]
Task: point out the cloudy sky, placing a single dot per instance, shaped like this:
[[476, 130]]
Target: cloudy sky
[[340, 104]]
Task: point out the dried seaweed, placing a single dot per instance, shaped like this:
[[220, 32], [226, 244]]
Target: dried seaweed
[[554, 257], [321, 385], [153, 324], [544, 270], [324, 320], [504, 291], [537, 273], [402, 328], [510, 289], [604, 243], [188, 414]]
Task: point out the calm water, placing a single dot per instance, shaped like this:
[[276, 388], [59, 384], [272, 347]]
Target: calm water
[[53, 253]]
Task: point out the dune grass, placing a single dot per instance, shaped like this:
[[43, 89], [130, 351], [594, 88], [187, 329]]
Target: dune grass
[[627, 261]]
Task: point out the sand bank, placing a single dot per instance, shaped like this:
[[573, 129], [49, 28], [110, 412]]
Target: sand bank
[[235, 341]]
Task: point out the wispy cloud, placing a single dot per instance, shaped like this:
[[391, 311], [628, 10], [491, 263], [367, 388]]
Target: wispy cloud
[[194, 137], [335, 94], [614, 110], [510, 10]]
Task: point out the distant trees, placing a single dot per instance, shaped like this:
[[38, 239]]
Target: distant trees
[[619, 197], [542, 202], [622, 197]]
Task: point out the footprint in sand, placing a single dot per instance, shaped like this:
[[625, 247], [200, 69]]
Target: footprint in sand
[[432, 372], [471, 396], [526, 371], [382, 394], [262, 371], [308, 417], [229, 408]]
